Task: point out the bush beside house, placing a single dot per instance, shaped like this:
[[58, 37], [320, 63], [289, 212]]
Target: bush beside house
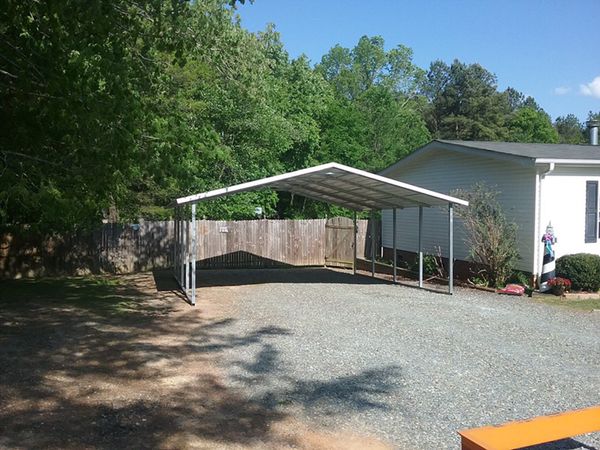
[[583, 269]]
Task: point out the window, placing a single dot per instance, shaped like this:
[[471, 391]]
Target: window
[[591, 211]]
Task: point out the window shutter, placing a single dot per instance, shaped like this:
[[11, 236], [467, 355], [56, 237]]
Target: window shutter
[[591, 211]]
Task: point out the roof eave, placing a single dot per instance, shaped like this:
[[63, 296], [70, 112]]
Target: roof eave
[[584, 162]]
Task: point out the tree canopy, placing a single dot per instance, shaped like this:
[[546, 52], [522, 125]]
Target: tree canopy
[[112, 109], [570, 130], [528, 125]]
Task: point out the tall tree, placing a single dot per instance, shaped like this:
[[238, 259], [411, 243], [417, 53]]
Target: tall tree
[[72, 85], [517, 100], [377, 94], [464, 102], [529, 125], [570, 130], [354, 71], [593, 116]]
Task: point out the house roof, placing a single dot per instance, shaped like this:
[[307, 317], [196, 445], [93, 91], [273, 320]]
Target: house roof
[[528, 154], [534, 151], [338, 184]]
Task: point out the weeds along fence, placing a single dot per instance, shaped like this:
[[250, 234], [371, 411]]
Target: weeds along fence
[[128, 248]]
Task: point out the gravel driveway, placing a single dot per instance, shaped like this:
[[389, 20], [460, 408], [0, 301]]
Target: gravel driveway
[[408, 366]]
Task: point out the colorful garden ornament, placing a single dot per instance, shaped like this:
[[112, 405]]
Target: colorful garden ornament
[[548, 265]]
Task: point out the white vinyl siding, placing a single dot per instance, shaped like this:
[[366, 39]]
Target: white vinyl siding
[[445, 170], [564, 204]]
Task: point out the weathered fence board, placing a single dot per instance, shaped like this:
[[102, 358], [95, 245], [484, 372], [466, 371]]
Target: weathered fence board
[[117, 248], [261, 243], [339, 241]]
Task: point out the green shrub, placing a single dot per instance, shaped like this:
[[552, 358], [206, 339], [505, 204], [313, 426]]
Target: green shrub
[[490, 235], [519, 277], [429, 265], [583, 269], [432, 265]]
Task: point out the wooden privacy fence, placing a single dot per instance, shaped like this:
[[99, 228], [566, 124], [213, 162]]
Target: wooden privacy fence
[[339, 241], [112, 248], [275, 243], [117, 248]]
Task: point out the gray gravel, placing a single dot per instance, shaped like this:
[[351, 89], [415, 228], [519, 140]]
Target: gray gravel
[[409, 366]]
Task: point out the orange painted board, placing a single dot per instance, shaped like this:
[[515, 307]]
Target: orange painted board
[[514, 435]]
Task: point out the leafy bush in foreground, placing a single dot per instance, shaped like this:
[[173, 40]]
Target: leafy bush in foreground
[[583, 269]]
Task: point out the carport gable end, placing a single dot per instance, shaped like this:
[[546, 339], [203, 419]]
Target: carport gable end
[[338, 184], [333, 183]]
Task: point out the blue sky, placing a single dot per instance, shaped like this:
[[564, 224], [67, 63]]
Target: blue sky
[[547, 49]]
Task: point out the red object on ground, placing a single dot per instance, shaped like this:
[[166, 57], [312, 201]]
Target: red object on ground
[[512, 289]]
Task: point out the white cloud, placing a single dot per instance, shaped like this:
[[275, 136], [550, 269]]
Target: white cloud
[[592, 88], [562, 90]]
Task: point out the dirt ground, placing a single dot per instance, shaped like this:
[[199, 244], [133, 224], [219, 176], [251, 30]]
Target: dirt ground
[[125, 363]]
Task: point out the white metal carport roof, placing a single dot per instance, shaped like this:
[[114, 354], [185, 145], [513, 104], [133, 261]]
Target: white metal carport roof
[[342, 185], [332, 183]]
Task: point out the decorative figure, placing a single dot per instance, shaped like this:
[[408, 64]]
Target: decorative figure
[[548, 266]]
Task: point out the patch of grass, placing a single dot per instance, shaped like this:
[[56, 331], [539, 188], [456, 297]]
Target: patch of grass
[[100, 293], [585, 305]]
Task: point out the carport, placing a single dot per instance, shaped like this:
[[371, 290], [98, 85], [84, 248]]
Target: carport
[[333, 183]]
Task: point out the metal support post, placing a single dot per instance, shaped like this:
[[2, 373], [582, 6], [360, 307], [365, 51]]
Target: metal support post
[[179, 265], [394, 245], [173, 249], [186, 255], [450, 248], [420, 246], [175, 243], [181, 253], [354, 245], [373, 244], [193, 254]]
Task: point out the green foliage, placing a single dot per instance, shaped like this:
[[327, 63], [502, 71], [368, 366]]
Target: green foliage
[[491, 237], [593, 115], [433, 265], [528, 125], [73, 103], [516, 100], [374, 118], [113, 109], [354, 71], [519, 277], [464, 102], [429, 265], [583, 269], [570, 130]]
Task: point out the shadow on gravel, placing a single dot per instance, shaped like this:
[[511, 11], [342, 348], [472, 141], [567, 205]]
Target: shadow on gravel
[[241, 277], [91, 363], [365, 390], [336, 395], [105, 363]]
